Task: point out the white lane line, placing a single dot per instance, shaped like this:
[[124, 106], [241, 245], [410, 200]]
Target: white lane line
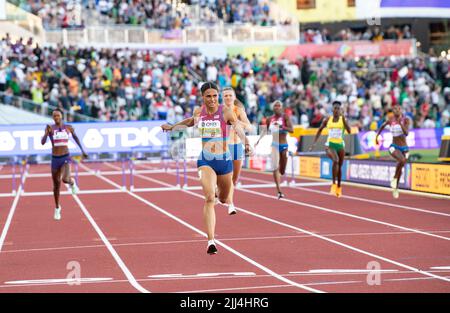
[[326, 238], [235, 289], [200, 240], [338, 212], [304, 204], [56, 281], [64, 193], [226, 274], [111, 249], [203, 275], [329, 283], [11, 212], [224, 289], [166, 276], [7, 195], [391, 204], [344, 271], [363, 186], [251, 261], [440, 268]]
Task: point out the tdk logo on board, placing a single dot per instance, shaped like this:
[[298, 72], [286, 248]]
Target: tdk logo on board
[[104, 137], [123, 137]]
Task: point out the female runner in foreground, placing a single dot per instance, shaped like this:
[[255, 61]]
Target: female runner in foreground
[[335, 146], [215, 166], [235, 144], [399, 148], [279, 125], [59, 136]]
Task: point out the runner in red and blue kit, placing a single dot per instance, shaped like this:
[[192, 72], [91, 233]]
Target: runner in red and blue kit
[[279, 126], [215, 165], [399, 149], [59, 134]]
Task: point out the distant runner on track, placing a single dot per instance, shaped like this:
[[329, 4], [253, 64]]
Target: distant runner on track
[[279, 125], [59, 134], [399, 149], [335, 145]]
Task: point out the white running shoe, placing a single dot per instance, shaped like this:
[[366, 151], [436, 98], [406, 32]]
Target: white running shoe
[[394, 183], [75, 188], [212, 249], [57, 215], [231, 209], [395, 193]]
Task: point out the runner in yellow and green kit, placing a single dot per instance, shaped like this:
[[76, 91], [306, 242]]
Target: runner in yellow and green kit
[[335, 146]]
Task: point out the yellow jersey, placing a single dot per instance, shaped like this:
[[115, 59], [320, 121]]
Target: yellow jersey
[[335, 130]]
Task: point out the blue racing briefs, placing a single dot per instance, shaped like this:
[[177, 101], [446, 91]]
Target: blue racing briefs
[[403, 149], [237, 151], [59, 161], [281, 147], [222, 164]]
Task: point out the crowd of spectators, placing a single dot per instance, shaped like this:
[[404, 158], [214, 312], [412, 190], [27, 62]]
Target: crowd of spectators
[[158, 14], [125, 84], [55, 14], [255, 12], [324, 35], [155, 14]]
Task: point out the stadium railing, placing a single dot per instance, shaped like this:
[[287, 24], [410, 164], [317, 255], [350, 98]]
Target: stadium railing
[[138, 35]]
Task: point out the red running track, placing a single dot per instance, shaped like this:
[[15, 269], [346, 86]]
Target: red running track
[[154, 241]]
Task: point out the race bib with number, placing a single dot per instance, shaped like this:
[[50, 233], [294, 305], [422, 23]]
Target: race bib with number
[[335, 133], [60, 135], [210, 129]]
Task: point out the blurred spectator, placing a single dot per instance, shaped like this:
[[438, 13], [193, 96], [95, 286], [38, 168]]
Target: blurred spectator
[[125, 84], [158, 14], [392, 32]]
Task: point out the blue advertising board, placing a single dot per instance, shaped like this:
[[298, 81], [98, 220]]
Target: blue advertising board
[[326, 169], [103, 137]]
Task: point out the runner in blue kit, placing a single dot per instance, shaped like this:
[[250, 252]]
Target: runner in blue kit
[[215, 165]]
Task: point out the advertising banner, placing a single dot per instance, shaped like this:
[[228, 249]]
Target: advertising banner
[[433, 178], [422, 138], [326, 169], [415, 8], [310, 166], [377, 173], [95, 138]]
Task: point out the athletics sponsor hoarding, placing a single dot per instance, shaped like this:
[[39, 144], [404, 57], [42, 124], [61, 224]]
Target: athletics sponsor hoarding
[[377, 173], [423, 138], [351, 49], [95, 138], [415, 8], [433, 178], [326, 169], [310, 167]]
